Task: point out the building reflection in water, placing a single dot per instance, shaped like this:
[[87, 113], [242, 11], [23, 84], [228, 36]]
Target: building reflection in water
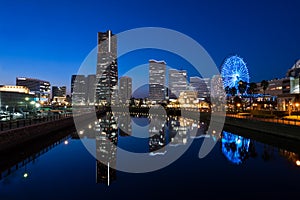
[[294, 158], [157, 131], [124, 123], [178, 131], [106, 148], [172, 130], [235, 148]]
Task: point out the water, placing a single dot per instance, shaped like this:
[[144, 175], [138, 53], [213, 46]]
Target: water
[[243, 164]]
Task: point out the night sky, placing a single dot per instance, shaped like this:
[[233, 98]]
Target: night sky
[[50, 39]]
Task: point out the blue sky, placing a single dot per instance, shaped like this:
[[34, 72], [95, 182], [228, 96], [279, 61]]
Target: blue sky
[[50, 39]]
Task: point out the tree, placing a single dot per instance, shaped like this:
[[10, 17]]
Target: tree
[[227, 90], [232, 91], [251, 90], [242, 87], [264, 84]]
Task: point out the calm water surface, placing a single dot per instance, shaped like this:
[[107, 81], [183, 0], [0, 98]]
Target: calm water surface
[[242, 165]]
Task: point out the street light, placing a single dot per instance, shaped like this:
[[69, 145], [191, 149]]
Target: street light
[[238, 105], [297, 105], [26, 99], [6, 108]]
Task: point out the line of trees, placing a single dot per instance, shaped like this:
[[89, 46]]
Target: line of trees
[[243, 88]]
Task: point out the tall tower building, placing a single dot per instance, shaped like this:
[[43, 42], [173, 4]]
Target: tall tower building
[[78, 89], [157, 80], [91, 89], [177, 82], [107, 67], [125, 89]]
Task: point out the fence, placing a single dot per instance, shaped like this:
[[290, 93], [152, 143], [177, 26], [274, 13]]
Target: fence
[[272, 120], [12, 124]]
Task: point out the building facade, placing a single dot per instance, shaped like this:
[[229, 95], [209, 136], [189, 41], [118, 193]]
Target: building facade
[[59, 91], [13, 98], [201, 85], [107, 67], [125, 89], [40, 88], [177, 82], [78, 89], [157, 80]]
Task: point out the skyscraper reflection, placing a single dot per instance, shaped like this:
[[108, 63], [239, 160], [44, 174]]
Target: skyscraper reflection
[[124, 123], [177, 131], [157, 140], [106, 149]]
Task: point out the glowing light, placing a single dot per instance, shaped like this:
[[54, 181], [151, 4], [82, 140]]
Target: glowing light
[[66, 142], [25, 175], [233, 71], [298, 162], [235, 147]]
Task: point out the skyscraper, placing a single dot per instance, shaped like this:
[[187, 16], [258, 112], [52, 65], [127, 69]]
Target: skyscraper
[[125, 89], [201, 85], [91, 89], [177, 82], [78, 89], [157, 80], [107, 67]]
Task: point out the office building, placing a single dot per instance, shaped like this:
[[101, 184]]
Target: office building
[[157, 80], [91, 89], [201, 85], [107, 68], [177, 82], [78, 89], [40, 88], [59, 91], [125, 89]]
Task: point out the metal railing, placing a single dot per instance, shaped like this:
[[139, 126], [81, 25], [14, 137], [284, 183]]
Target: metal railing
[[13, 124], [267, 119]]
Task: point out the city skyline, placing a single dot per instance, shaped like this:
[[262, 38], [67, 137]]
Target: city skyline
[[47, 49]]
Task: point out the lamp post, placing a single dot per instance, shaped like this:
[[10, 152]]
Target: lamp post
[[26, 99], [6, 108], [297, 105], [238, 105]]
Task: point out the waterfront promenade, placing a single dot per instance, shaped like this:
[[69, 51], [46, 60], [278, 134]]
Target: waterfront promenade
[[13, 133]]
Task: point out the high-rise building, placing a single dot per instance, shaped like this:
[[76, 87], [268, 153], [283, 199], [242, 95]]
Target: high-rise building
[[177, 82], [78, 89], [40, 88], [201, 85], [91, 89], [59, 91], [107, 67], [125, 89], [157, 80]]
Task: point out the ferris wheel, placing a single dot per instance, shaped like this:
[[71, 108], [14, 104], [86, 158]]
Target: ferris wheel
[[233, 71]]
